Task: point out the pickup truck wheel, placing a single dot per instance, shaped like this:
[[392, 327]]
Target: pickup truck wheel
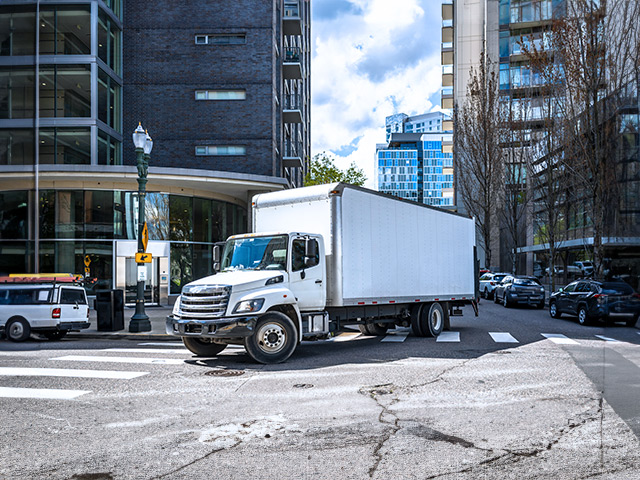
[[583, 316], [553, 310], [17, 329], [203, 347], [274, 339], [57, 335], [433, 321]]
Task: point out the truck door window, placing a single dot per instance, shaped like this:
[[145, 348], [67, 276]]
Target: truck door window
[[71, 297], [297, 256]]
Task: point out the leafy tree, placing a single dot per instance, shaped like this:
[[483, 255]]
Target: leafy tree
[[322, 170]]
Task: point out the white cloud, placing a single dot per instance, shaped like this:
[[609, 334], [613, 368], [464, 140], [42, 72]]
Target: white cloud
[[377, 58]]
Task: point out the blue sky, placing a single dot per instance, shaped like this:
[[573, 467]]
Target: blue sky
[[370, 59]]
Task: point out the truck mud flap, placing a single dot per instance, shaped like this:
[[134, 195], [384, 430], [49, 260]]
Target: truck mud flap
[[474, 304]]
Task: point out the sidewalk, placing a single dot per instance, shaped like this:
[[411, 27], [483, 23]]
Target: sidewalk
[[157, 317]]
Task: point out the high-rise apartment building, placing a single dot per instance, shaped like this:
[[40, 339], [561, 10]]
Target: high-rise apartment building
[[412, 164], [223, 89]]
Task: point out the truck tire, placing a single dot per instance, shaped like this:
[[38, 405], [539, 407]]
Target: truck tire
[[274, 339], [416, 326], [57, 335], [203, 347], [17, 329], [433, 321], [374, 329]]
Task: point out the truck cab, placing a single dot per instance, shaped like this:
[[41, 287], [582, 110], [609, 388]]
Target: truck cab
[[279, 274]]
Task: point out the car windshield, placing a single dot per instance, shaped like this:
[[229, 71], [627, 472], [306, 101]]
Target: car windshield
[[498, 278], [525, 281], [620, 288], [255, 253]]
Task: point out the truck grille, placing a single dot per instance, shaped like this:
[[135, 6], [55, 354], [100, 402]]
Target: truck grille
[[204, 301]]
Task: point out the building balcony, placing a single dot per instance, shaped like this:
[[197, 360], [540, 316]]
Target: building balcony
[[292, 66], [292, 112], [292, 155], [291, 20]]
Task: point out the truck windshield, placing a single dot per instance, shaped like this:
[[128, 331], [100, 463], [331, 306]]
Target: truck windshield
[[256, 253]]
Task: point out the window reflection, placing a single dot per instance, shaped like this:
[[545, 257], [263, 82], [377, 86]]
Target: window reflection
[[65, 30], [17, 30], [65, 91], [65, 146], [17, 92]]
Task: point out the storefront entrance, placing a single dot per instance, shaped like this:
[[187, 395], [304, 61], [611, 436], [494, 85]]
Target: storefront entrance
[[156, 287]]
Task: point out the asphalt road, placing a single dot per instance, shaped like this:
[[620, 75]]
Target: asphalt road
[[510, 394]]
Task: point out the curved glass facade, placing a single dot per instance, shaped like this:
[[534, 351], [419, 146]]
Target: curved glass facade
[[83, 226]]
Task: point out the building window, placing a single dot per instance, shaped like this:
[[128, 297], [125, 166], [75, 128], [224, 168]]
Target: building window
[[221, 95], [17, 92], [222, 39], [65, 30], [68, 146], [17, 30], [221, 150], [65, 91], [109, 38]]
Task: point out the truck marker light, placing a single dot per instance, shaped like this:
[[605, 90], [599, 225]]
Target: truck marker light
[[375, 303], [360, 303], [436, 299], [55, 313], [417, 300], [392, 301], [284, 296]]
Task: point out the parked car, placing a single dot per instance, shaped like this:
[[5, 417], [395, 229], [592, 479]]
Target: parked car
[[558, 270], [488, 283], [51, 309], [586, 267], [514, 290], [590, 300]]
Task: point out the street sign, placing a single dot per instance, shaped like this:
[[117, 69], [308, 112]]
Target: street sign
[[145, 237], [87, 260], [142, 274], [143, 257]]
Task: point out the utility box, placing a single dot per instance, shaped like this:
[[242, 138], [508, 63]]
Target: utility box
[[110, 310]]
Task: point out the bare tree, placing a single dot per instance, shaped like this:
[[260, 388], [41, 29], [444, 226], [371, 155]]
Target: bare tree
[[479, 156]]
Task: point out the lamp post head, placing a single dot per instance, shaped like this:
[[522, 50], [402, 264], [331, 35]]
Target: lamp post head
[[148, 144], [139, 137]]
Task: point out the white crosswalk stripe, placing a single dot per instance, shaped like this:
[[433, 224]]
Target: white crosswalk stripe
[[449, 337], [89, 358], [67, 372], [559, 339], [503, 337], [147, 350], [607, 339], [162, 344], [397, 337], [42, 393]]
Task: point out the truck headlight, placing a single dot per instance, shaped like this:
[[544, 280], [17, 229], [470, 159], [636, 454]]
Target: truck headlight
[[176, 306], [248, 306]]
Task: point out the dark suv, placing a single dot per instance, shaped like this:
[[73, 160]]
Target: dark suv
[[593, 300], [514, 290]]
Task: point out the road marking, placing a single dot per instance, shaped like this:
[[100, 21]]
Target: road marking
[[67, 372], [503, 337], [82, 358], [396, 337], [448, 337], [146, 350], [163, 344], [559, 339], [345, 337], [44, 393], [608, 339]]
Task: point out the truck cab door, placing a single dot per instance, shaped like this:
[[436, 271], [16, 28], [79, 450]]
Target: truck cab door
[[307, 280]]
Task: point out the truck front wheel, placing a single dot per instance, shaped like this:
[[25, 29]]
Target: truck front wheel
[[274, 339], [203, 347]]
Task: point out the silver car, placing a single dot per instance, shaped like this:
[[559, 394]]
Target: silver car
[[488, 283]]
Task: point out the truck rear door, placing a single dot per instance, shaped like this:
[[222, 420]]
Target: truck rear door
[[73, 305]]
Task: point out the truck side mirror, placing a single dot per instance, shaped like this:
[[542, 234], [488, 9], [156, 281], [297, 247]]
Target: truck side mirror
[[310, 252], [216, 258]]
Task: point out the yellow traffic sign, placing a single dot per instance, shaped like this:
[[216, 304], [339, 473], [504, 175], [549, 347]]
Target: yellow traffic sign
[[145, 237], [87, 260], [143, 257], [87, 270]]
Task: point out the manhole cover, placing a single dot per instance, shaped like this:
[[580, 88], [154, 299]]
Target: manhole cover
[[224, 373], [303, 385]]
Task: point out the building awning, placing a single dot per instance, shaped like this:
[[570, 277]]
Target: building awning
[[608, 242]]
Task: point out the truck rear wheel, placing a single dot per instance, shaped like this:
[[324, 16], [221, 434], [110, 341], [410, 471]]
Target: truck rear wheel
[[274, 339], [203, 347], [373, 329], [416, 315], [17, 329], [433, 321]]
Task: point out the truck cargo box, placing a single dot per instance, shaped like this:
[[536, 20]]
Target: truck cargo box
[[380, 249]]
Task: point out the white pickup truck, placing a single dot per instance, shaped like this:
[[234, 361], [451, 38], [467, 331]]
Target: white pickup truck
[[324, 257]]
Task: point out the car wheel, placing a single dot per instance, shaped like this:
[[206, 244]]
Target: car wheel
[[57, 335], [632, 322], [17, 329], [553, 310], [505, 301], [583, 316], [203, 347], [274, 339]]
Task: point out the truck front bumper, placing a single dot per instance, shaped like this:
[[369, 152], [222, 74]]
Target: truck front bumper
[[234, 327]]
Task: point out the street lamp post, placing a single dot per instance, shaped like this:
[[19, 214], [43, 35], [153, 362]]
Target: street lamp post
[[143, 143]]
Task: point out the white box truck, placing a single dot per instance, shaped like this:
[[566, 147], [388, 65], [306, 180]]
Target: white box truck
[[323, 257]]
